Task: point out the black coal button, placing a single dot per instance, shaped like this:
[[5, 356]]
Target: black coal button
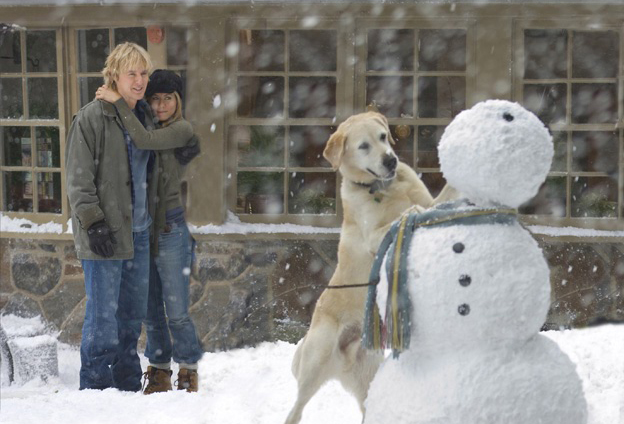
[[458, 247], [465, 280], [463, 309]]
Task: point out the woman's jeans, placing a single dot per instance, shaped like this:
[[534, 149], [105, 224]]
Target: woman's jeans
[[169, 299], [116, 307]]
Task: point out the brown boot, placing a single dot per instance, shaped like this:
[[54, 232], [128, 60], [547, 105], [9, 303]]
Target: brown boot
[[157, 380], [188, 380]]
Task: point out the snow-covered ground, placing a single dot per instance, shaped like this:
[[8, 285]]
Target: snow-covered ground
[[255, 386]]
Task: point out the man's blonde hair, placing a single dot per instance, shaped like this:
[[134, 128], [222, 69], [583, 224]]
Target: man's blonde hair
[[123, 57]]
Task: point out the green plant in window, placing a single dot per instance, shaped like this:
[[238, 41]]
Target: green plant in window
[[312, 202]]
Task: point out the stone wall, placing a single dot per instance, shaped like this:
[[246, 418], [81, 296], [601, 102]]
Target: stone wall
[[247, 291]]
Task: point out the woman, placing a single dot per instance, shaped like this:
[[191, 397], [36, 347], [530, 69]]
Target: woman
[[171, 259]]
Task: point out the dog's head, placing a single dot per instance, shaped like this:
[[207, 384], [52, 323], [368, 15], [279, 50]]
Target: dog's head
[[361, 149]]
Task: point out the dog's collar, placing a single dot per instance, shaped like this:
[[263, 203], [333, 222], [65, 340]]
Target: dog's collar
[[375, 186]]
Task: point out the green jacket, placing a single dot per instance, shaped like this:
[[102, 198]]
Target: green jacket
[[98, 178], [176, 134]]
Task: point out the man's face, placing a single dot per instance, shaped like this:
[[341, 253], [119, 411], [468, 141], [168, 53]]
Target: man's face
[[131, 84]]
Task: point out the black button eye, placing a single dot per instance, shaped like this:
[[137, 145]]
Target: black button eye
[[508, 117], [364, 146], [383, 136]]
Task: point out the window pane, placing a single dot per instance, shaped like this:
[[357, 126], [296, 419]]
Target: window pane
[[441, 97], [595, 54], [43, 98], [259, 145], [307, 144], [545, 53], [93, 48], [41, 51], [261, 50], [434, 181], [428, 139], [49, 185], [312, 193], [87, 87], [17, 146], [559, 162], [595, 151], [393, 96], [550, 199], [594, 197], [18, 191], [594, 103], [261, 192], [403, 136], [11, 56], [312, 50], [312, 97], [137, 35], [260, 97], [547, 101], [177, 51], [442, 50], [48, 147], [390, 50], [12, 104]]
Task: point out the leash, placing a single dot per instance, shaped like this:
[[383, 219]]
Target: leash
[[349, 286]]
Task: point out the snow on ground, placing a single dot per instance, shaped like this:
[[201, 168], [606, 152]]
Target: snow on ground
[[255, 386]]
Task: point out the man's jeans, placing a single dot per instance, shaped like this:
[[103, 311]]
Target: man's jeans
[[169, 298], [116, 307]]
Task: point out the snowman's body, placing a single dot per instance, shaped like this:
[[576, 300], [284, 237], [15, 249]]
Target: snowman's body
[[476, 355], [479, 293]]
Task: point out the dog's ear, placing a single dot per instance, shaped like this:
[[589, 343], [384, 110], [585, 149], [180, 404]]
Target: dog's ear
[[384, 122], [335, 148]]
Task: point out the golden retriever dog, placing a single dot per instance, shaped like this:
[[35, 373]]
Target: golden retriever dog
[[376, 189]]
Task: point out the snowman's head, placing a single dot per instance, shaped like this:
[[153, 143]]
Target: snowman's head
[[497, 152]]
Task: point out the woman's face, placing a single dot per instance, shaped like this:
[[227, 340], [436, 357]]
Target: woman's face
[[163, 105]]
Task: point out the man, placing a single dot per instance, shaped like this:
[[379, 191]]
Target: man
[[109, 184]]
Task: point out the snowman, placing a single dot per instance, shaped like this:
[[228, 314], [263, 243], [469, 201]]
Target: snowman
[[460, 291]]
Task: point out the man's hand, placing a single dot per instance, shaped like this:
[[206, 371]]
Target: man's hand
[[101, 239], [185, 154]]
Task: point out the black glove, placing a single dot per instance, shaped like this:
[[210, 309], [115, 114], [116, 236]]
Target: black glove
[[186, 153], [101, 239]]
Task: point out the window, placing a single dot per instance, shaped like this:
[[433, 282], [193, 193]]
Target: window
[[286, 92], [92, 48], [572, 80], [416, 77], [31, 121]]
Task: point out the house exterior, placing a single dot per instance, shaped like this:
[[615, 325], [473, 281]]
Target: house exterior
[[266, 83]]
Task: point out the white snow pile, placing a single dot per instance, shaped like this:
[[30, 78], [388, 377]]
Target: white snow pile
[[254, 385]]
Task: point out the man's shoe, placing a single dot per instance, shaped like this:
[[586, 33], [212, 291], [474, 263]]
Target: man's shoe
[[157, 380], [188, 380]]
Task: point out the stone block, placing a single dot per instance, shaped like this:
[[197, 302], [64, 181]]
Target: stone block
[[58, 305], [22, 306], [245, 320], [581, 284], [297, 281], [72, 270], [35, 274], [71, 331]]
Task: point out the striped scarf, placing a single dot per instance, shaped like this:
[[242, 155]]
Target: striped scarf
[[396, 243]]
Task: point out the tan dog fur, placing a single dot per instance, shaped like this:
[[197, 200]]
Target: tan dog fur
[[331, 349]]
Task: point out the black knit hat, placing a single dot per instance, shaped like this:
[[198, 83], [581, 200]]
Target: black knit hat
[[164, 81]]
